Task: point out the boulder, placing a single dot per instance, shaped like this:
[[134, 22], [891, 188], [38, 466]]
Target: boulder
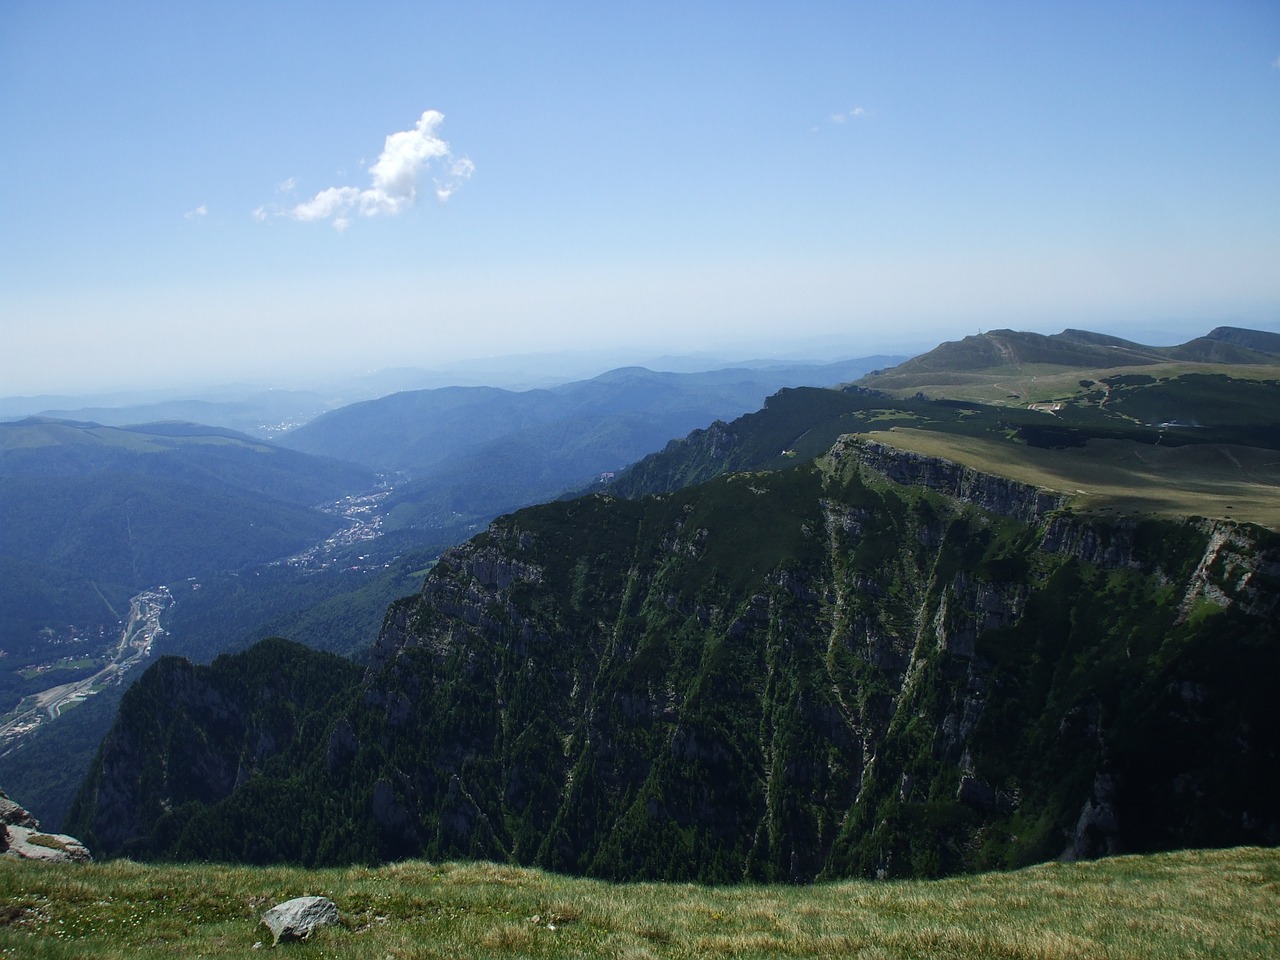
[[298, 918]]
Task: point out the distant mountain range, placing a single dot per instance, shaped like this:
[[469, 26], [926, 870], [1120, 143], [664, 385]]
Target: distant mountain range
[[471, 453], [266, 412], [415, 432]]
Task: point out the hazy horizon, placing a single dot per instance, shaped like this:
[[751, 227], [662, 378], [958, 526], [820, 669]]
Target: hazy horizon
[[510, 371], [281, 193], [522, 371]]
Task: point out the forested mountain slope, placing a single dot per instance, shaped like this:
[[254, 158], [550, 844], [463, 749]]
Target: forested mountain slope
[[814, 672], [418, 432], [142, 505]]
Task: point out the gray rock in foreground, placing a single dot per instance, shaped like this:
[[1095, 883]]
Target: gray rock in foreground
[[21, 838], [298, 918]]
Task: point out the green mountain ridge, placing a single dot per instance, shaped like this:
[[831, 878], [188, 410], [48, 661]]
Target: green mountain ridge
[[778, 676], [999, 348]]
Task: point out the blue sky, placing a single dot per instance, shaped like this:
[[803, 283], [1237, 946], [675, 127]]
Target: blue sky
[[199, 192]]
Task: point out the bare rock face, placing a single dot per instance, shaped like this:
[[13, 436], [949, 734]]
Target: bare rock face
[[13, 815], [1098, 829], [299, 918], [22, 839]]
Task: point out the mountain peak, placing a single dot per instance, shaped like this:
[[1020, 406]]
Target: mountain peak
[[1003, 348]]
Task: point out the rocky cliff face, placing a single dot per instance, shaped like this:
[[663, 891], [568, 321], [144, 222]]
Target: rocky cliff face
[[1006, 497], [875, 664]]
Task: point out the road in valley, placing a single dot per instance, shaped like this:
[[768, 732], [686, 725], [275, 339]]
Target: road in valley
[[363, 516], [139, 633]]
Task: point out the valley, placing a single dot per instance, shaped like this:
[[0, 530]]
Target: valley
[[92, 514], [363, 515], [137, 637]]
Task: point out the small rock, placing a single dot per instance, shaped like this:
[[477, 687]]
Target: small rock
[[298, 918]]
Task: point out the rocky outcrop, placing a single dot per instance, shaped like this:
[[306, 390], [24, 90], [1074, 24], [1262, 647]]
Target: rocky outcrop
[[1231, 570], [1097, 832], [1106, 545], [22, 839], [12, 815]]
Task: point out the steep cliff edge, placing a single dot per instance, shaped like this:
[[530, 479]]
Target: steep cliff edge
[[1000, 495], [874, 664]]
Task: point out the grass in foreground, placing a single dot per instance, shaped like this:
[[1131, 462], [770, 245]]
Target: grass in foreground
[[1219, 904]]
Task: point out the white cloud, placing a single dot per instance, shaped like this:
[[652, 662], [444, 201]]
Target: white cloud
[[459, 171], [199, 213], [326, 203], [406, 157], [857, 113], [287, 186]]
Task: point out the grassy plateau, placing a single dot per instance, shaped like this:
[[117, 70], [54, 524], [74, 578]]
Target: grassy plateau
[[1016, 385], [1221, 904], [1222, 481]]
